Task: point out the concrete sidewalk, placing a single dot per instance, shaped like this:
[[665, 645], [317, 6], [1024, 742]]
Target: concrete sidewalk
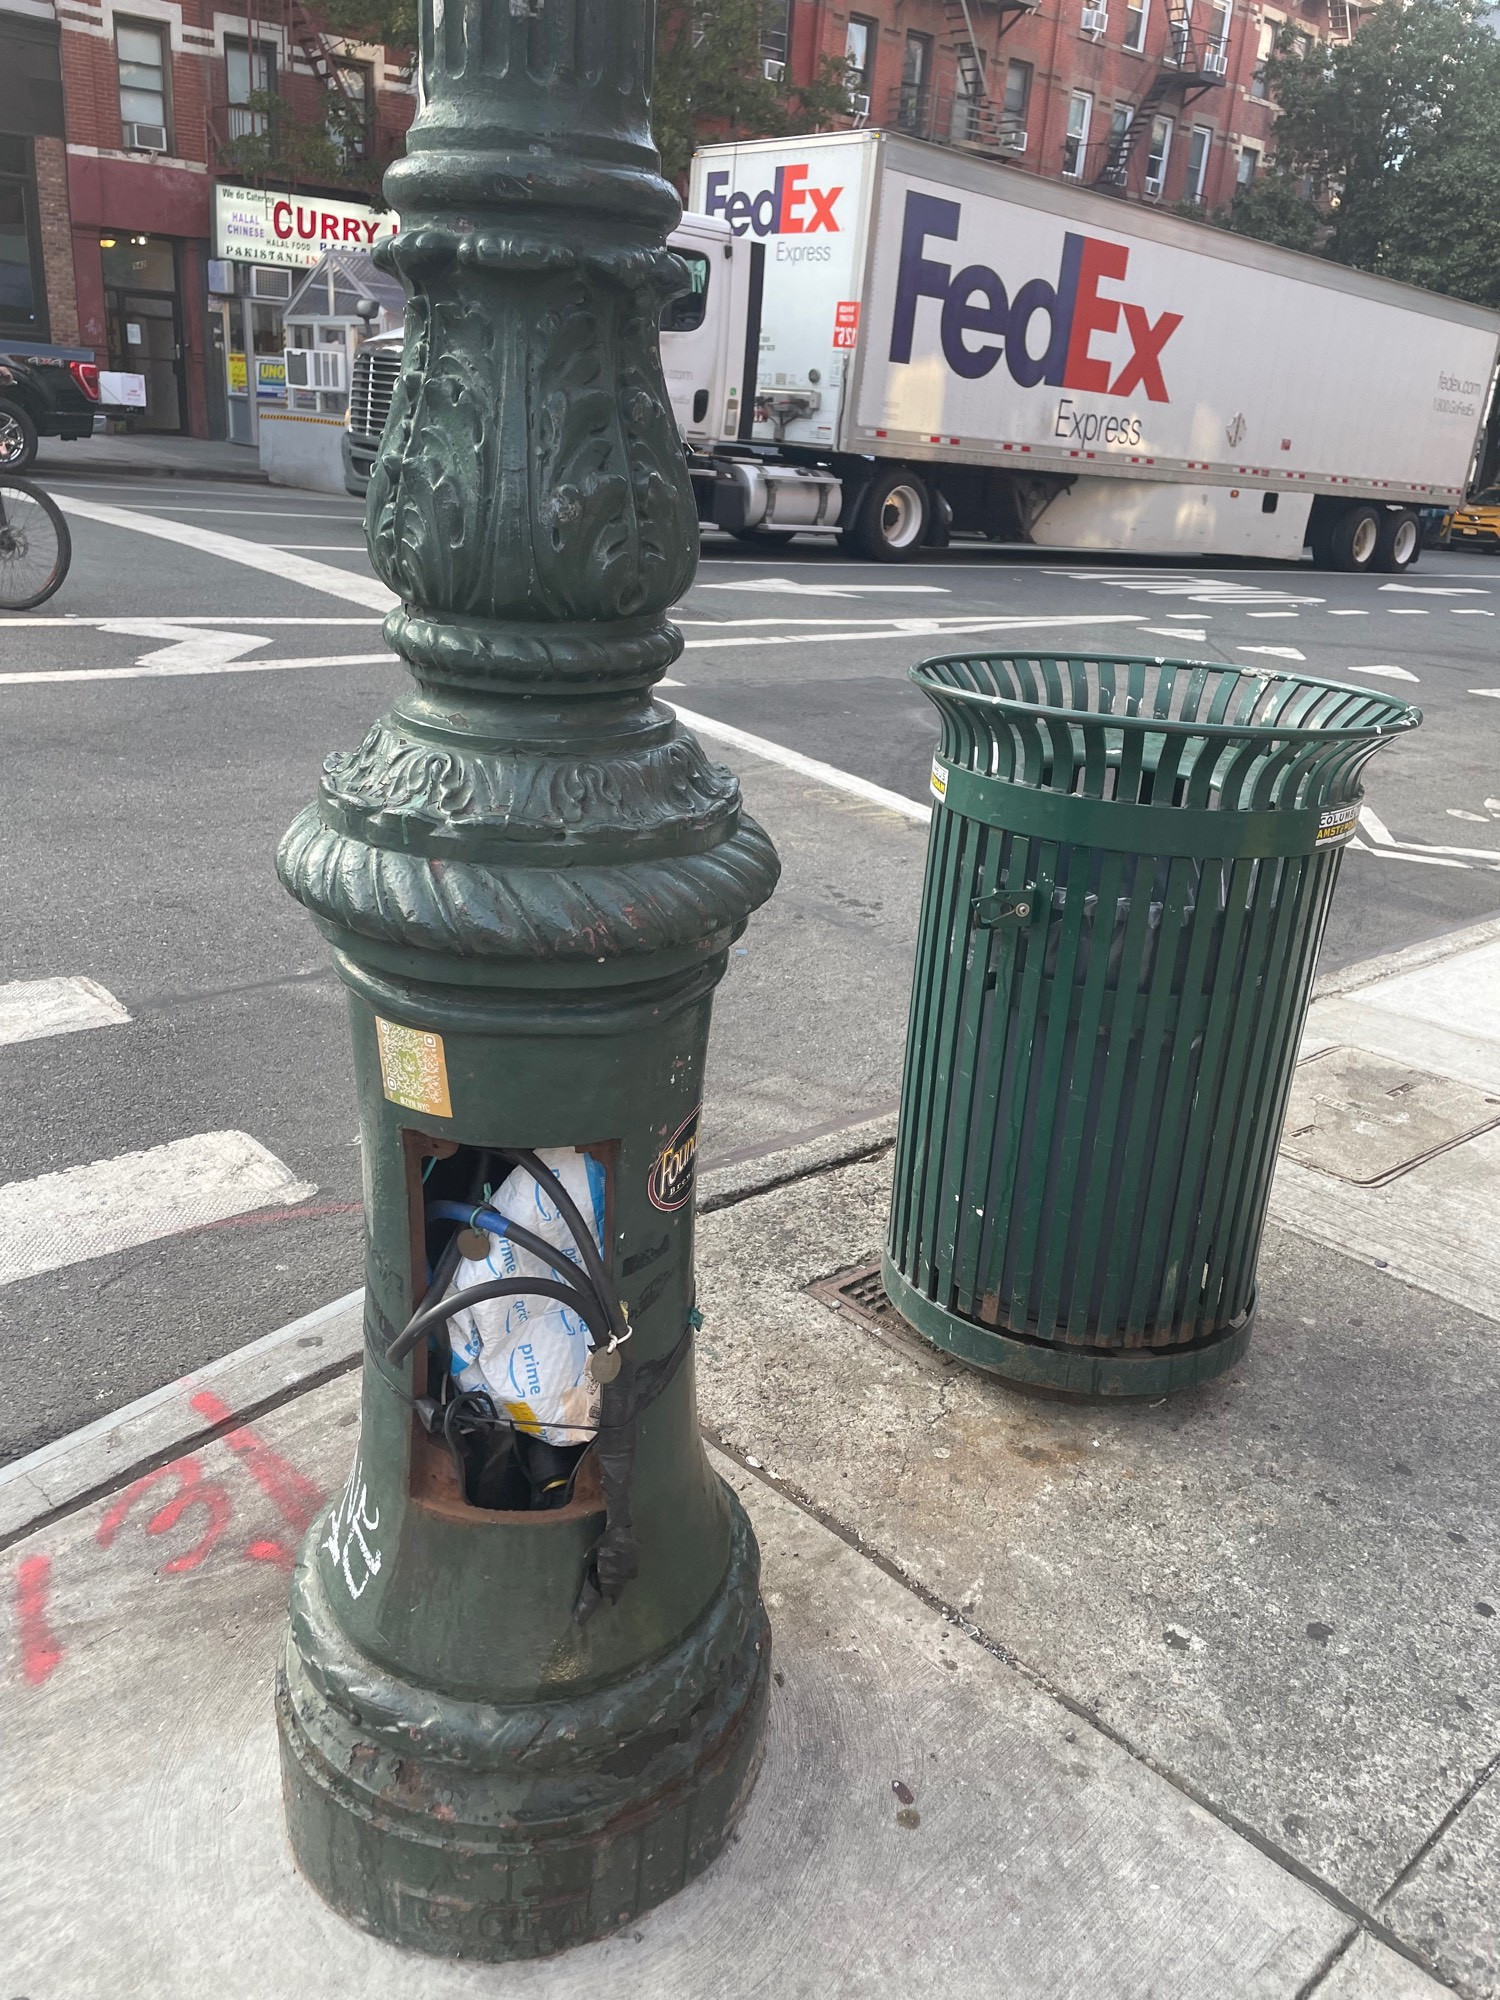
[[143, 455], [1192, 1699]]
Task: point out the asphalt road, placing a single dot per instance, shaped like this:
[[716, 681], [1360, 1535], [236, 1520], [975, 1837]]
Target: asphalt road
[[165, 717]]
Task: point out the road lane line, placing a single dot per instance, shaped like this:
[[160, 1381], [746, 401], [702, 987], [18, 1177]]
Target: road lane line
[[918, 628], [173, 669], [805, 767], [111, 1205], [333, 582], [62, 622], [31, 1009]]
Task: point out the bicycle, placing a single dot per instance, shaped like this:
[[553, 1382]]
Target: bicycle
[[35, 546]]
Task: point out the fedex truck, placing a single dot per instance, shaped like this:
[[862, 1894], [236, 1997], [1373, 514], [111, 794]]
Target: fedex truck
[[902, 342]]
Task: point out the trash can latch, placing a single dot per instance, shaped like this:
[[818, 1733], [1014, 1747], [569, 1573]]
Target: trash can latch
[[992, 911]]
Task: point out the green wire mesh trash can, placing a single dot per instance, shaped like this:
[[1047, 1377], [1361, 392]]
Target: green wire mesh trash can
[[1130, 867]]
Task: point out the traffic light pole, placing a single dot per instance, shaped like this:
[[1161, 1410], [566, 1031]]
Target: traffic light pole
[[507, 1729]]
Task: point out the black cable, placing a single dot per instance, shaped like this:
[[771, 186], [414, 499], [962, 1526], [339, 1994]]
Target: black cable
[[545, 1252], [587, 1309], [583, 1235], [442, 1276]]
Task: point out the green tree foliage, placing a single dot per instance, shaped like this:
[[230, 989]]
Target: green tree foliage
[[711, 82], [710, 79], [1388, 148]]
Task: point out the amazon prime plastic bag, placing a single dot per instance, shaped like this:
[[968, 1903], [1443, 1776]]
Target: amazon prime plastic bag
[[528, 1351]]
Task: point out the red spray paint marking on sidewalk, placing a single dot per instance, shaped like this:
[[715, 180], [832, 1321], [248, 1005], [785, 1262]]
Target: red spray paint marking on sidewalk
[[294, 1495], [193, 1491], [41, 1653]]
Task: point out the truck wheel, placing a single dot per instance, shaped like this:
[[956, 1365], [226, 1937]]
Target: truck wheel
[[1400, 540], [893, 517], [17, 438], [1354, 540]]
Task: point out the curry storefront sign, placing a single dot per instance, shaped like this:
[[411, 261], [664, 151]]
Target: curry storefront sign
[[267, 226]]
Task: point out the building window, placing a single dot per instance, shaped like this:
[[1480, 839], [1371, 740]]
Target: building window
[[775, 23], [250, 74], [916, 70], [859, 55], [348, 109], [1248, 168], [1197, 168], [1135, 24], [1080, 110], [142, 56], [1017, 96], [22, 293], [1265, 43], [1158, 154], [1218, 24]]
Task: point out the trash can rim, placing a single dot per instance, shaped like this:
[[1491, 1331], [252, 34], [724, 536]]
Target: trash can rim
[[1404, 716]]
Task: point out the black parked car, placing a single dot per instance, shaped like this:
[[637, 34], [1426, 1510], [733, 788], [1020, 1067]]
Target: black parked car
[[43, 395]]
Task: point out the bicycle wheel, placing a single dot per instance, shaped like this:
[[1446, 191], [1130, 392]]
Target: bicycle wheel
[[35, 546]]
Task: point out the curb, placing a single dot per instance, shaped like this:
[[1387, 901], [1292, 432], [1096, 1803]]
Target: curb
[[111, 1451], [48, 468], [114, 1449]]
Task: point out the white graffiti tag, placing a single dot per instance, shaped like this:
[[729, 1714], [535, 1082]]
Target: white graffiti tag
[[349, 1524]]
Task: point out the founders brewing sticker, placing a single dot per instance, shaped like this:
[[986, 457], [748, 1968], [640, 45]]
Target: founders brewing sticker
[[1336, 826], [671, 1182], [413, 1071]]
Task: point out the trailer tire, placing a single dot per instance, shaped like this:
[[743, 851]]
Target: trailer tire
[[895, 513], [1400, 541], [1354, 539]]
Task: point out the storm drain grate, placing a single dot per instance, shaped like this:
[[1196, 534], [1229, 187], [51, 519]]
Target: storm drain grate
[[857, 1290]]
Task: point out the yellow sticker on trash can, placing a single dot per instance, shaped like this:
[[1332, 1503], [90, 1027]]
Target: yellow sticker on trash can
[[939, 780], [413, 1070], [1336, 826]]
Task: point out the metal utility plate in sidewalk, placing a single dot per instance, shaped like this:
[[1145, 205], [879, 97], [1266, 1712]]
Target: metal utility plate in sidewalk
[[1365, 1119]]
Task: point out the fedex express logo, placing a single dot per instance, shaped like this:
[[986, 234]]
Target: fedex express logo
[[981, 321], [789, 207]]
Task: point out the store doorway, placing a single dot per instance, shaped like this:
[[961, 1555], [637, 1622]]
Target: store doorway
[[144, 324]]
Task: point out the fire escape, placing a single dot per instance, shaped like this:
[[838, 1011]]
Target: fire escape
[[274, 25], [1193, 63], [967, 116]]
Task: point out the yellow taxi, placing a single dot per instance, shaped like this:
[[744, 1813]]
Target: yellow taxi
[[1477, 522]]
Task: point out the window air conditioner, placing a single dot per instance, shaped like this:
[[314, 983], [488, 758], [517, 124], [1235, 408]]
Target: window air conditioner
[[774, 71], [145, 138], [267, 281], [1216, 62], [1013, 142], [1095, 21], [316, 368], [859, 105]]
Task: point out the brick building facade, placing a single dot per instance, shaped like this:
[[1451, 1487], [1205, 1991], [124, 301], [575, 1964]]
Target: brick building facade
[[1152, 100], [159, 100], [37, 295]]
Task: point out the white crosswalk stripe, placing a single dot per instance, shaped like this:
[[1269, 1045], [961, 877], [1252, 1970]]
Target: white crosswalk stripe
[[31, 1009], [117, 1204]]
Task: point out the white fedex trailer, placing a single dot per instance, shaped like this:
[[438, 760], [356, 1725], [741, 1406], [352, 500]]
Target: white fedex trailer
[[902, 341]]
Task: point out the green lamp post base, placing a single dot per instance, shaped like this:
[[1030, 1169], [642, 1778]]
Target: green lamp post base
[[473, 1830]]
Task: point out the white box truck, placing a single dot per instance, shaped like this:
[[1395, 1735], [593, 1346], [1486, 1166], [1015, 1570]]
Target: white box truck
[[901, 341]]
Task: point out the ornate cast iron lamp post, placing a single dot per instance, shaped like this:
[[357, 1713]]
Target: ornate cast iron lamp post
[[506, 1729]]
